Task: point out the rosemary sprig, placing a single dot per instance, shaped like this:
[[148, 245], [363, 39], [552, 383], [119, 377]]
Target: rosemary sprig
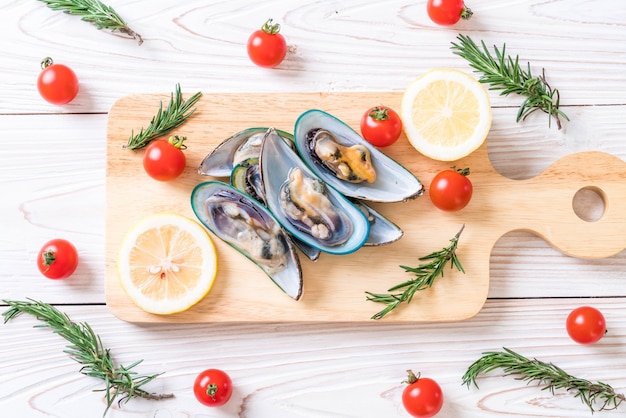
[[504, 73], [96, 13], [425, 275], [177, 112], [86, 348], [547, 374]]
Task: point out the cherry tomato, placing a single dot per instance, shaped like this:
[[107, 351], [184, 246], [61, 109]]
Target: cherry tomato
[[266, 47], [57, 83], [381, 126], [422, 398], [164, 160], [451, 190], [213, 387], [57, 259], [585, 325], [447, 12]]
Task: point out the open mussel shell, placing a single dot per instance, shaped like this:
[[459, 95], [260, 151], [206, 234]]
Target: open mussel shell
[[250, 228], [246, 177], [382, 230], [392, 182], [235, 149], [347, 225]]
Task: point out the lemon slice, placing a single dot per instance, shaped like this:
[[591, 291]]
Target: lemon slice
[[446, 114], [167, 263]]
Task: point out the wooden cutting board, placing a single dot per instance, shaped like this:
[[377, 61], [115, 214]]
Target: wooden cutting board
[[334, 286]]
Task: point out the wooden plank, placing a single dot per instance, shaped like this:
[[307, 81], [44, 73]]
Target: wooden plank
[[316, 369], [332, 47], [335, 285], [57, 191]]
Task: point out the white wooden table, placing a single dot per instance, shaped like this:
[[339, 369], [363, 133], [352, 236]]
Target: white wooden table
[[52, 176]]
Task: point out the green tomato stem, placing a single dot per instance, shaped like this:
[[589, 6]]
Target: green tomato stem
[[49, 258], [466, 13], [269, 28], [412, 378], [177, 141], [211, 390], [46, 62], [463, 171], [379, 113]]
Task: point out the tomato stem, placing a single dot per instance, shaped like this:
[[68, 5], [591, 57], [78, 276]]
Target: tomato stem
[[379, 113], [411, 378], [269, 28], [211, 390], [462, 171], [46, 62], [177, 141], [48, 258], [466, 13]]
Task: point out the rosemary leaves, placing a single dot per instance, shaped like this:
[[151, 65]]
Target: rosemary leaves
[[504, 73], [177, 112], [425, 275], [546, 374], [86, 348], [96, 13]]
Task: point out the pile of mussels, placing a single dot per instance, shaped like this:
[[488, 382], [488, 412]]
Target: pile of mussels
[[305, 190]]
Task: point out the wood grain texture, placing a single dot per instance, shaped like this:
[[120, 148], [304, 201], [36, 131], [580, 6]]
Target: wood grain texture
[[333, 286], [316, 370], [52, 180], [42, 155], [329, 50]]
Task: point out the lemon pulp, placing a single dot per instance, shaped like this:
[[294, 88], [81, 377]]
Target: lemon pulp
[[446, 114], [167, 263]]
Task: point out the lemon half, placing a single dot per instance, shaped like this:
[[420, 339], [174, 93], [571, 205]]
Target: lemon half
[[446, 114], [167, 263]]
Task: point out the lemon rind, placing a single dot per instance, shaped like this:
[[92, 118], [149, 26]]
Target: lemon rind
[[443, 153], [209, 266]]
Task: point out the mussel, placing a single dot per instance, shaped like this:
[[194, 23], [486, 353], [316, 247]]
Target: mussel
[[343, 159], [235, 149], [315, 214], [250, 228], [306, 205], [246, 177], [350, 163]]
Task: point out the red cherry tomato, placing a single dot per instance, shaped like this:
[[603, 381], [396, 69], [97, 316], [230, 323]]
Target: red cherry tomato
[[381, 126], [447, 12], [585, 325], [422, 398], [57, 259], [451, 190], [213, 387], [57, 83], [164, 160], [266, 46]]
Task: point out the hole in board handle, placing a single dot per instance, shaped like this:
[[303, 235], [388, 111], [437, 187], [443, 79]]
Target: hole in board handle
[[589, 204]]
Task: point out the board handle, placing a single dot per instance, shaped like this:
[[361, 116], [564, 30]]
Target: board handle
[[555, 192]]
